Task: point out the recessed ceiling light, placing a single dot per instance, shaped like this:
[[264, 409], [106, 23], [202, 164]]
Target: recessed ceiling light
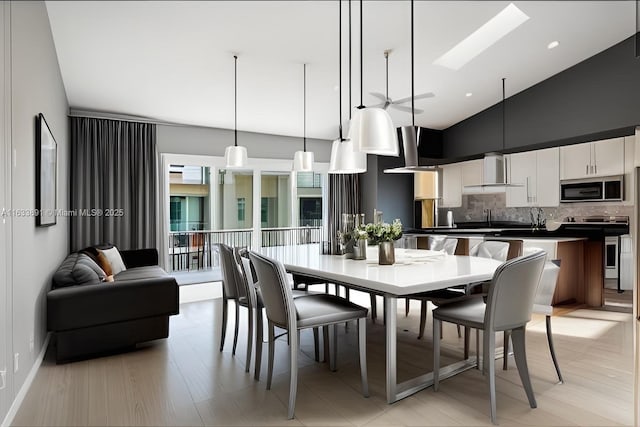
[[553, 44], [484, 37], [468, 94]]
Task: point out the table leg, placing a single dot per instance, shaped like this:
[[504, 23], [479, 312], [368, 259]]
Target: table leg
[[391, 309]]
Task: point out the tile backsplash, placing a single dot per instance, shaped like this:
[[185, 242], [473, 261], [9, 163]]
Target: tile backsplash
[[474, 207]]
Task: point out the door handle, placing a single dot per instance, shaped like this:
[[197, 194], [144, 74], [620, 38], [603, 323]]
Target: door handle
[[586, 170], [595, 168]]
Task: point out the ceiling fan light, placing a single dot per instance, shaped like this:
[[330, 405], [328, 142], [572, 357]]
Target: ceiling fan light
[[344, 159], [372, 132], [303, 161], [235, 157]]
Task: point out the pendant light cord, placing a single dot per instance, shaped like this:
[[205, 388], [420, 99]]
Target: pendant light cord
[[413, 101], [340, 68], [235, 101], [350, 60], [503, 115], [386, 68], [361, 56], [304, 106]]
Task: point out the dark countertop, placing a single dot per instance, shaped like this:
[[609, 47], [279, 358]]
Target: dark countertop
[[514, 229]]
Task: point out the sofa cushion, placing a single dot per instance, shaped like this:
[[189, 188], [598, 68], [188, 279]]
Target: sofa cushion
[[114, 258], [137, 273], [78, 269]]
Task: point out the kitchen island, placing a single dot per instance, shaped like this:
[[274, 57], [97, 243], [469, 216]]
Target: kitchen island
[[581, 277]]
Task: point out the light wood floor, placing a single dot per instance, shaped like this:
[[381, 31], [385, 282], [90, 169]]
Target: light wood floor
[[185, 380]]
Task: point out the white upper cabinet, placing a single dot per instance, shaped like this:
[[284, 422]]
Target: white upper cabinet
[[472, 175], [538, 173], [451, 186], [600, 158], [548, 177]]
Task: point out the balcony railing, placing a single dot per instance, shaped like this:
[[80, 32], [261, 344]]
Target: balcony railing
[[197, 250]]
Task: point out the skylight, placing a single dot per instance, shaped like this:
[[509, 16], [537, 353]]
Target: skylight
[[484, 37]]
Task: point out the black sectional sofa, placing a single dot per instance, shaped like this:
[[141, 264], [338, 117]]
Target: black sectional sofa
[[90, 316]]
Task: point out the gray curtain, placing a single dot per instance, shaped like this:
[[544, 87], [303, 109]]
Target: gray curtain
[[113, 183], [344, 197]]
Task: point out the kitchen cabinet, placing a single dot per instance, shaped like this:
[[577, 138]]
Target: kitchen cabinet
[[599, 158], [538, 174], [451, 186], [472, 175]]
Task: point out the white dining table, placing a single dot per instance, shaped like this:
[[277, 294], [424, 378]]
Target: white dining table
[[415, 271]]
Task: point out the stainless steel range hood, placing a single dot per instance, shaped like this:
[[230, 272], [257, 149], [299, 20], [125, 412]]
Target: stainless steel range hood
[[494, 174], [410, 139]]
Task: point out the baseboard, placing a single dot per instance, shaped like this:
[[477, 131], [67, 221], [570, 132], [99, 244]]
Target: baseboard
[[17, 402]]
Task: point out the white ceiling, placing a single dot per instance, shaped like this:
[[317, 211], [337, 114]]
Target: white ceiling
[[172, 61]]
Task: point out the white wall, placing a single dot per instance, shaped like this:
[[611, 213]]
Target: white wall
[[36, 88], [212, 142]]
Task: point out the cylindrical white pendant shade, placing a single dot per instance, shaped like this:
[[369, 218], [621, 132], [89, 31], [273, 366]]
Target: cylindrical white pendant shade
[[344, 159], [372, 132], [303, 161], [235, 156]]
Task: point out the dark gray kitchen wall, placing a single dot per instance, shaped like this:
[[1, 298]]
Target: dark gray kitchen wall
[[206, 141], [390, 193], [596, 99]]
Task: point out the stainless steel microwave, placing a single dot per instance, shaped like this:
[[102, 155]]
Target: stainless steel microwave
[[602, 189]]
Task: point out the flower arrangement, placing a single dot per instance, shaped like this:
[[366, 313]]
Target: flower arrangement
[[384, 232], [360, 232]]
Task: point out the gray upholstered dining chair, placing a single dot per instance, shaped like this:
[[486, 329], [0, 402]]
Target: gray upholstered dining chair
[[232, 290], [310, 311], [542, 305], [447, 245], [508, 307]]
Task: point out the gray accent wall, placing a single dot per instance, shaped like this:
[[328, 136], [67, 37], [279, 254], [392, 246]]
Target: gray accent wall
[[598, 98], [36, 87], [197, 140]]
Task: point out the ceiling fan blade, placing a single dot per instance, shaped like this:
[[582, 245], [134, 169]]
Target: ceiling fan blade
[[378, 95], [408, 99], [381, 105], [407, 109]]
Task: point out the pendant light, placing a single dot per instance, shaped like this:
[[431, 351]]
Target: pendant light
[[303, 160], [371, 129], [410, 139], [344, 159], [235, 156]]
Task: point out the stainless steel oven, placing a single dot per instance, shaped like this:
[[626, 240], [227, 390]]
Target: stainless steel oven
[[611, 257]]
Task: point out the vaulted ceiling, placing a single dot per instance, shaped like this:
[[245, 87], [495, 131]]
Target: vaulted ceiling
[[173, 61]]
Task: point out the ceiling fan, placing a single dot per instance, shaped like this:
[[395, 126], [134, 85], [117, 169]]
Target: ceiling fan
[[386, 101]]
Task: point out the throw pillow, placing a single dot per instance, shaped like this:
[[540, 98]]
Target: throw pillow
[[115, 260], [86, 271], [104, 264]]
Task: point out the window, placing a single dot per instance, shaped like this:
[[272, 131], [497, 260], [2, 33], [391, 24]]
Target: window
[[309, 180], [311, 211], [241, 208]]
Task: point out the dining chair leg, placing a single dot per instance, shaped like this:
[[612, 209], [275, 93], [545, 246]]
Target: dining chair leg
[[406, 306], [467, 339], [478, 350], [249, 338], [520, 354], [272, 344], [235, 330], [225, 309], [489, 348], [552, 350], [293, 370], [374, 307], [436, 353], [423, 318], [258, 345], [316, 344], [362, 349], [325, 342], [334, 347], [505, 359]]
